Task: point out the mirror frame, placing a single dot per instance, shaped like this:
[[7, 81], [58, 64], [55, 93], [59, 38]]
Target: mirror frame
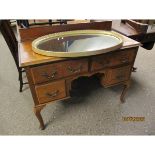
[[74, 33]]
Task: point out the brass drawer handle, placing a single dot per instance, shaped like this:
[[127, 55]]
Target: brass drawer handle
[[53, 94], [73, 70], [120, 77], [124, 60], [49, 76]]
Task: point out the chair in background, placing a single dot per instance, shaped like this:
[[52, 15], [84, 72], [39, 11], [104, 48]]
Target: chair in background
[[30, 23], [9, 36]]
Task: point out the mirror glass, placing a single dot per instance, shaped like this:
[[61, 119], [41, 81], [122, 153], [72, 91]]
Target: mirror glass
[[78, 43]]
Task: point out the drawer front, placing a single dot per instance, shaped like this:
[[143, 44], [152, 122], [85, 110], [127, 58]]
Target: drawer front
[[109, 60], [58, 70], [51, 91], [117, 75], [75, 67], [100, 62]]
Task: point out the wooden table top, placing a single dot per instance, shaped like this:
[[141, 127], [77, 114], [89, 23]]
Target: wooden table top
[[27, 57]]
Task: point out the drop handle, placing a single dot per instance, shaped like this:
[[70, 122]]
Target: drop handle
[[74, 70], [53, 74], [53, 94], [125, 60]]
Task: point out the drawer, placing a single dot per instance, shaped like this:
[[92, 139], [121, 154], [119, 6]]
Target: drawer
[[58, 70], [117, 75], [51, 91], [113, 59], [100, 62]]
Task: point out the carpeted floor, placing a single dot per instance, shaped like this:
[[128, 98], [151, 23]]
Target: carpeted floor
[[93, 111]]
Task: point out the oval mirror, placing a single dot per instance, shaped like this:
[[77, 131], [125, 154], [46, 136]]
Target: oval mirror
[[77, 43]]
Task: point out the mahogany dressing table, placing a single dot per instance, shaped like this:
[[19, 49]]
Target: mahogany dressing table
[[50, 78]]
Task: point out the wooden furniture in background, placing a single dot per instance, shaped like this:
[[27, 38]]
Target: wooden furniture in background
[[139, 27], [31, 23], [138, 30], [9, 36], [50, 78]]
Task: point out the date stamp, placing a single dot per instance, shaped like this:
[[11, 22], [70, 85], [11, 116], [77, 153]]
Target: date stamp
[[133, 119]]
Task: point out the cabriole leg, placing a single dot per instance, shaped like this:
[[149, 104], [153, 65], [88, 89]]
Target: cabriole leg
[[126, 86], [37, 111]]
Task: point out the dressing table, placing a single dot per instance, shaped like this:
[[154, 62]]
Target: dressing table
[[50, 78]]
